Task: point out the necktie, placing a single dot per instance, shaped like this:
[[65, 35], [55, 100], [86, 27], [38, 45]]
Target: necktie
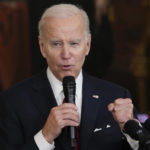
[[64, 101]]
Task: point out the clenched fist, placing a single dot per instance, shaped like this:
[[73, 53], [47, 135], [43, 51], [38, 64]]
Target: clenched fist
[[122, 110]]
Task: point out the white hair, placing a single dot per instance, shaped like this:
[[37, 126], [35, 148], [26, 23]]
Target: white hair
[[64, 10]]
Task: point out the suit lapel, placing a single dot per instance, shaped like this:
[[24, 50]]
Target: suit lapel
[[43, 96], [91, 105]]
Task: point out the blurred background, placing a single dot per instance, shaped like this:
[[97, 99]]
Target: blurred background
[[120, 50]]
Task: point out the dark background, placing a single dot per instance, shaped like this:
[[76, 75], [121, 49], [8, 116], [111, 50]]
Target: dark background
[[120, 50]]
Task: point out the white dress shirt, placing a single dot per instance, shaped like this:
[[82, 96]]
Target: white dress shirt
[[57, 88]]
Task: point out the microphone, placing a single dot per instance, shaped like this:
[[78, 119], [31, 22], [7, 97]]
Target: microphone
[[69, 88], [138, 132]]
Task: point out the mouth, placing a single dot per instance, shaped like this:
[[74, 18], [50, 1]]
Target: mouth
[[66, 67]]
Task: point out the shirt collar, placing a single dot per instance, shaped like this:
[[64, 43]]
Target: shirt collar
[[57, 85]]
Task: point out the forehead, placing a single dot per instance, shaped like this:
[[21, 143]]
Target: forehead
[[64, 25]]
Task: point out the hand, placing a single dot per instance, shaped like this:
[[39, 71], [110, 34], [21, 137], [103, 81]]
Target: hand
[[122, 110], [60, 117]]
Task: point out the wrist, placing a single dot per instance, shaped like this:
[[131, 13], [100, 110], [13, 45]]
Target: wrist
[[47, 137]]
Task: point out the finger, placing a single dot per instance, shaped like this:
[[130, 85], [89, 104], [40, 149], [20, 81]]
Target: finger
[[70, 116], [123, 107], [111, 107], [69, 105], [60, 114], [66, 120], [68, 110], [120, 101], [64, 108], [70, 123]]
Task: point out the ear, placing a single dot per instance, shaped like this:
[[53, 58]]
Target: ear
[[41, 44], [88, 44]]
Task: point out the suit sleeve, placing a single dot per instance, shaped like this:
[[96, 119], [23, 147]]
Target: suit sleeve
[[11, 130]]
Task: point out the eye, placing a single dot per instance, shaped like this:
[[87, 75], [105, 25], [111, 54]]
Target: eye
[[74, 43], [56, 43]]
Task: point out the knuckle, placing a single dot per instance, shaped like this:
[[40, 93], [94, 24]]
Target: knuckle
[[131, 106], [53, 110], [129, 100], [115, 109], [117, 101], [58, 122]]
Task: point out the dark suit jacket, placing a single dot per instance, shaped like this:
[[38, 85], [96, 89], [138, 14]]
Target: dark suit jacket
[[25, 107]]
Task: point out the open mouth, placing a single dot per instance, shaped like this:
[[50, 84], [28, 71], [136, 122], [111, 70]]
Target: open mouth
[[66, 67]]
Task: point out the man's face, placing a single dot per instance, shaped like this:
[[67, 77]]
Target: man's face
[[64, 45]]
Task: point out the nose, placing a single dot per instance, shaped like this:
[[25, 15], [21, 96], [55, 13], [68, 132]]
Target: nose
[[65, 53]]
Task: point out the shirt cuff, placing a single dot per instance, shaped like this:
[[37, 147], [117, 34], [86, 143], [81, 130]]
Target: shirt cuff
[[133, 143], [42, 143]]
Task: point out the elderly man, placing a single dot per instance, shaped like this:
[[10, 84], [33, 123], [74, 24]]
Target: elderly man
[[32, 113]]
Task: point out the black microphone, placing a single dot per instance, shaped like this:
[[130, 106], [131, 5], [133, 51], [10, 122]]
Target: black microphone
[[138, 132], [69, 87]]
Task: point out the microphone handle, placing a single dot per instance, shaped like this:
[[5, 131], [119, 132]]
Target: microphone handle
[[73, 136], [72, 129]]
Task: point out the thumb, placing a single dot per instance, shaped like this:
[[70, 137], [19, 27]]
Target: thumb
[[111, 107]]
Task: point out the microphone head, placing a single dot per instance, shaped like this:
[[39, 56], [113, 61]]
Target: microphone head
[[68, 80], [69, 87], [133, 128]]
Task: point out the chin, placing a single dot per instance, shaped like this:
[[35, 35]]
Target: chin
[[68, 74]]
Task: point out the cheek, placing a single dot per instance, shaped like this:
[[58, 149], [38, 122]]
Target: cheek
[[81, 56], [51, 58], [80, 59]]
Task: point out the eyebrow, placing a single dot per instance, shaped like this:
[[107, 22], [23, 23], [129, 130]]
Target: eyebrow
[[75, 40], [72, 40], [54, 41]]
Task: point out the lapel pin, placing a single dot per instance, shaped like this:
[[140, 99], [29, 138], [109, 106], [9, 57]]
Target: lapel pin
[[95, 96]]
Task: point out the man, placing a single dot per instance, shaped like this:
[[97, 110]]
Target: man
[[32, 113]]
